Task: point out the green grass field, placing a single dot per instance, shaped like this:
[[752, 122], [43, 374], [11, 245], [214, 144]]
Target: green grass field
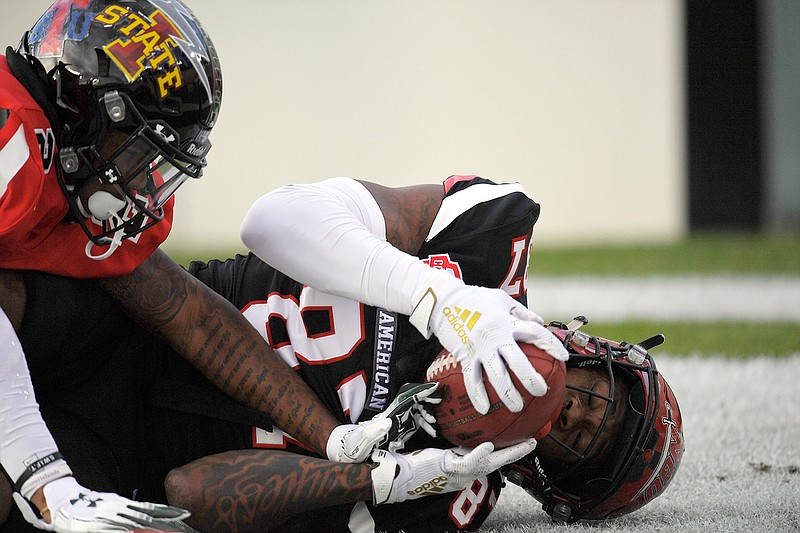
[[731, 254], [725, 254], [702, 254], [729, 339]]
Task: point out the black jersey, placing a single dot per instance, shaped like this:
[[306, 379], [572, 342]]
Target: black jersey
[[107, 386], [355, 357]]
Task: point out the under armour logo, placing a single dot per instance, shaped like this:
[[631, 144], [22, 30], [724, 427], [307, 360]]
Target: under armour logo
[[111, 175], [405, 423], [85, 498], [160, 131]]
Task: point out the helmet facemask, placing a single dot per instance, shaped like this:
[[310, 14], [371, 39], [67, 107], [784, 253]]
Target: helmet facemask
[[141, 159]]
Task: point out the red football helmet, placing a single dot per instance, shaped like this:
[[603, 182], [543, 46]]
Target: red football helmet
[[643, 458]]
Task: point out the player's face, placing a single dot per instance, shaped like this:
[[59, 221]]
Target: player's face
[[582, 416], [137, 155], [134, 157]]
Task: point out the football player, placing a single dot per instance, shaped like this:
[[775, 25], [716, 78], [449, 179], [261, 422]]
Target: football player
[[616, 446], [356, 357], [619, 438], [342, 226], [105, 111], [82, 170]]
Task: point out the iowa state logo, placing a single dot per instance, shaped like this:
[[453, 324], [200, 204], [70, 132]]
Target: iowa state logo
[[145, 40], [146, 43]]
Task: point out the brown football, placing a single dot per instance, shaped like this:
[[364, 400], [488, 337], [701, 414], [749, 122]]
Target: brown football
[[459, 422]]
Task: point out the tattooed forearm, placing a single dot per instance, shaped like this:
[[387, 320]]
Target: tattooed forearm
[[259, 490], [156, 291], [211, 333]]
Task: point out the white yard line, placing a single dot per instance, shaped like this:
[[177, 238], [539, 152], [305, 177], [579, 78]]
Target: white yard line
[[703, 298]]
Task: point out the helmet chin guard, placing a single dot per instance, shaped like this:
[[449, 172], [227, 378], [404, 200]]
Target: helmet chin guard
[[138, 88], [103, 204], [641, 460]]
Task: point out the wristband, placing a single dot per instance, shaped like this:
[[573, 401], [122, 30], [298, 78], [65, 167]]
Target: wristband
[[35, 474]]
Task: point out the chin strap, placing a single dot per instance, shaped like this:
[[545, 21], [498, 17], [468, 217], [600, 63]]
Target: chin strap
[[105, 206], [116, 242]]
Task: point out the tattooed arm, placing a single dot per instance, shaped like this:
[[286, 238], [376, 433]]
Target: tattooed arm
[[260, 490], [210, 332], [12, 296]]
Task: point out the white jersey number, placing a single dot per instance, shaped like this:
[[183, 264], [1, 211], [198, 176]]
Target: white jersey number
[[344, 334]]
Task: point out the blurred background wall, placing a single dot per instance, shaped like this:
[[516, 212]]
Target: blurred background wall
[[743, 95], [628, 120]]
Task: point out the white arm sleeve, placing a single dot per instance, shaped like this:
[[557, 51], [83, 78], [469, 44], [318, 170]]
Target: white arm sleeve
[[26, 445], [332, 236]]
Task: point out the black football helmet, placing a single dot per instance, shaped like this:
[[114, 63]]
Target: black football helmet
[[137, 88], [645, 454]]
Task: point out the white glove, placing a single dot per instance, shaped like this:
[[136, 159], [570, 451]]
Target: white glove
[[408, 412], [75, 509], [432, 471], [481, 328]]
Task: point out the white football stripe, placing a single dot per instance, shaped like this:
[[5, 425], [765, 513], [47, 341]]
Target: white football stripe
[[462, 201], [12, 156]]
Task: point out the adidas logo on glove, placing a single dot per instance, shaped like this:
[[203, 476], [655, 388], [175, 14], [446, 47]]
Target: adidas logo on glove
[[462, 320], [429, 488]]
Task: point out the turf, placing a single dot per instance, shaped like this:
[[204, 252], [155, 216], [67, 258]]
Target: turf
[[701, 254], [710, 254], [731, 339], [740, 472], [184, 257]]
